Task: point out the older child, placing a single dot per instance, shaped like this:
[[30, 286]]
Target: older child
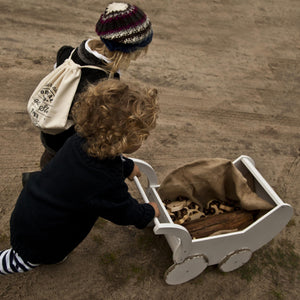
[[86, 179], [125, 32]]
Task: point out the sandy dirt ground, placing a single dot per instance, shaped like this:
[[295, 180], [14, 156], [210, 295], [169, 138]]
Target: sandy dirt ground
[[228, 74]]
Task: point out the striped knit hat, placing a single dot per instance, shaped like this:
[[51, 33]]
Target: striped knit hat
[[124, 27]]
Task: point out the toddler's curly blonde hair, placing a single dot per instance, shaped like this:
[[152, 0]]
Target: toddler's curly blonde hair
[[114, 117]]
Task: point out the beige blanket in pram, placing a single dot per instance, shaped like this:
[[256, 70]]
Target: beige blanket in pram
[[213, 178]]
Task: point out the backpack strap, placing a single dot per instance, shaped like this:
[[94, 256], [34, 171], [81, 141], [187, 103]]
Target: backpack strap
[[70, 57], [93, 67]]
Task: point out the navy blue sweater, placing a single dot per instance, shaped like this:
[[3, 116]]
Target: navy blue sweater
[[59, 205]]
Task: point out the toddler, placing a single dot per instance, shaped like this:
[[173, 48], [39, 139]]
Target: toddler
[[85, 180]]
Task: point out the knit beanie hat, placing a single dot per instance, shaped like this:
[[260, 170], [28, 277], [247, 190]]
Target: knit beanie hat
[[124, 27]]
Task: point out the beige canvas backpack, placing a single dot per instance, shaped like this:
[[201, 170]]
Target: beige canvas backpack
[[50, 103]]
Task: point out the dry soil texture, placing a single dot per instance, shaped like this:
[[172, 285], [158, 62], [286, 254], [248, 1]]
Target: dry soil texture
[[228, 76]]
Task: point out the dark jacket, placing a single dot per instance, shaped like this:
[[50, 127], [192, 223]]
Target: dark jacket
[[82, 57], [60, 204]]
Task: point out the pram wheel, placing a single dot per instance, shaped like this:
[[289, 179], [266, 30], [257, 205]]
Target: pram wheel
[[235, 260], [190, 268]]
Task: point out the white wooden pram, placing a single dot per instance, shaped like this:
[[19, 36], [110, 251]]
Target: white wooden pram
[[230, 251]]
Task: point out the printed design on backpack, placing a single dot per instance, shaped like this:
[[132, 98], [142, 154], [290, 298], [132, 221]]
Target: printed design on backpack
[[43, 101]]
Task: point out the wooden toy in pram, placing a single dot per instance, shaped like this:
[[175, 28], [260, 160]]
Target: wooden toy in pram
[[228, 250]]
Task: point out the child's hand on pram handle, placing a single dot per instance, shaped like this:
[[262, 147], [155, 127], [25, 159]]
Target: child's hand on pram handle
[[135, 172], [154, 205], [133, 176]]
